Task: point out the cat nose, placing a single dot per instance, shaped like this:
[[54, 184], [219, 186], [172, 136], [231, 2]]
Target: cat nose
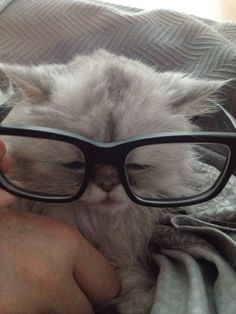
[[106, 177], [107, 187]]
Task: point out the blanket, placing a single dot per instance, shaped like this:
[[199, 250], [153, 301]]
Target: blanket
[[195, 253]]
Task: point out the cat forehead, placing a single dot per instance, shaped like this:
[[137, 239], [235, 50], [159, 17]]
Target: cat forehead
[[92, 82], [110, 102]]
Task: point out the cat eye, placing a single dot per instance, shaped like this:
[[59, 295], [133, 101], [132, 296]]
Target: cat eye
[[75, 165], [136, 167], [157, 170]]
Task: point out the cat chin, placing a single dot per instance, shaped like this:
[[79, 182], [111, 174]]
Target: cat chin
[[108, 207], [95, 199]]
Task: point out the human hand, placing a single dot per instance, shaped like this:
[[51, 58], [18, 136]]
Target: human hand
[[6, 198], [46, 266]]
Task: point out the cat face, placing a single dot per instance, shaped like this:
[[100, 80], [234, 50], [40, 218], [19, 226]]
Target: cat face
[[106, 98]]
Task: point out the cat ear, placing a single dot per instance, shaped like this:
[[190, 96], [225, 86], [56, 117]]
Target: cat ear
[[4, 82], [192, 96], [25, 82]]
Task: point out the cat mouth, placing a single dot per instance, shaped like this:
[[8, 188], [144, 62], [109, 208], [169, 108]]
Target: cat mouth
[[108, 200]]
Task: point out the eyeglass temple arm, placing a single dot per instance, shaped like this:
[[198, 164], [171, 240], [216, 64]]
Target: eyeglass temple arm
[[230, 120]]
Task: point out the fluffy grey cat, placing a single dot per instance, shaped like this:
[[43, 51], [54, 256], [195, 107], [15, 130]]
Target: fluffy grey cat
[[107, 98]]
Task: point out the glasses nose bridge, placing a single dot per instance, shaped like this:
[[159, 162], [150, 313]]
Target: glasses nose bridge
[[103, 155]]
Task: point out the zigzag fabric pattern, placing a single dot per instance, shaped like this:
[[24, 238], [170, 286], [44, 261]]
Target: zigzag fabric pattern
[[4, 4], [44, 30], [54, 31]]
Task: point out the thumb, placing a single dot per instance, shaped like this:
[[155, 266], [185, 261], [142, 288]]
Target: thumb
[[94, 274], [6, 199]]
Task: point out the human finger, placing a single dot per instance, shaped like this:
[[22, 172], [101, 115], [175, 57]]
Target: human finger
[[6, 163], [71, 299], [2, 150], [6, 199], [94, 274]]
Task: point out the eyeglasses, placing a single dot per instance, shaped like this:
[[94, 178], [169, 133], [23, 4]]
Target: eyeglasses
[[158, 170]]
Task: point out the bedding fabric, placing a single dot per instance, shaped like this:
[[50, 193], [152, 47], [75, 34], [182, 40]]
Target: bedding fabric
[[196, 253], [4, 4]]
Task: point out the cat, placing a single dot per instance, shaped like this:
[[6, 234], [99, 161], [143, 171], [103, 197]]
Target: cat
[[107, 97]]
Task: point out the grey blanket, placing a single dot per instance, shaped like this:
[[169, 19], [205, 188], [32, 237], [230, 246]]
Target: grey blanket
[[196, 253]]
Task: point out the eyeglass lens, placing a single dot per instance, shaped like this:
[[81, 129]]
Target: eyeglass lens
[[174, 171], [44, 166]]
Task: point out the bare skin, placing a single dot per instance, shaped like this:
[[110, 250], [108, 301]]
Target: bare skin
[[47, 266]]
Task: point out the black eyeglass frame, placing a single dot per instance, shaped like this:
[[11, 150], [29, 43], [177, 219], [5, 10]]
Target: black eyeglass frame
[[115, 153]]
